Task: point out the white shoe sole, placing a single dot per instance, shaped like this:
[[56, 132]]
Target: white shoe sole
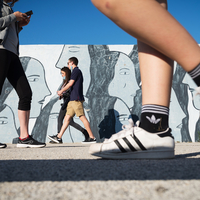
[[89, 142], [137, 155], [30, 146]]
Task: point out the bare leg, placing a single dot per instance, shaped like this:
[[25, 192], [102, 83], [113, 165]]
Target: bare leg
[[152, 24], [87, 125], [64, 126], [156, 73], [24, 121]]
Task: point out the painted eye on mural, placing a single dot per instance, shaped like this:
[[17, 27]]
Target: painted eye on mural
[[33, 78], [191, 89], [124, 71], [3, 121], [74, 49], [53, 116], [123, 118]]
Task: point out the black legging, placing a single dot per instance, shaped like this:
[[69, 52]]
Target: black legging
[[61, 116], [11, 68]]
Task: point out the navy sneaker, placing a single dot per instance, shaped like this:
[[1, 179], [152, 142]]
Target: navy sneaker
[[30, 142]]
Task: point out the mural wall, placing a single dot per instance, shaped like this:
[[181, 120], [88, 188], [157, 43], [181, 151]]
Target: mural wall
[[112, 90]]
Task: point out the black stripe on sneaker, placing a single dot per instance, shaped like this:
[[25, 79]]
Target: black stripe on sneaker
[[129, 144], [138, 142], [120, 146]]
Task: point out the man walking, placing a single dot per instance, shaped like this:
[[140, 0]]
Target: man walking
[[75, 106]]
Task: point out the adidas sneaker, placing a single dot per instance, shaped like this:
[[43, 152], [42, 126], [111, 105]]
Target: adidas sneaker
[[134, 142]]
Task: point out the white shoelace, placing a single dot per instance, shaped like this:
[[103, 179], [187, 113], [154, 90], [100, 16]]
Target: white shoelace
[[123, 133]]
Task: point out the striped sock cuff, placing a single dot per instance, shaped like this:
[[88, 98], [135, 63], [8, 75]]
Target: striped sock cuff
[[155, 109], [195, 72]]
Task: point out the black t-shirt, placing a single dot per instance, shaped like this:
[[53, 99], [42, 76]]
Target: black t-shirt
[[77, 88]]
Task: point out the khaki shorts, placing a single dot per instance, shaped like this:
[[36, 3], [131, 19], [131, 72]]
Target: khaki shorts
[[75, 107]]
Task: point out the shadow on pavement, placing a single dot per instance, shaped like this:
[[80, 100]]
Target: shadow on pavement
[[180, 168]]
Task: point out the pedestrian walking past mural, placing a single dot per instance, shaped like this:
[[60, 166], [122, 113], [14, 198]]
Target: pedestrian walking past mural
[[111, 88]]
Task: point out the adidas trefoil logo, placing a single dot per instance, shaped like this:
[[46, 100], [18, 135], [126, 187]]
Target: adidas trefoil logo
[[153, 119]]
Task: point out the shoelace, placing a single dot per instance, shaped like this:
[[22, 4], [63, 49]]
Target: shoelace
[[125, 129]]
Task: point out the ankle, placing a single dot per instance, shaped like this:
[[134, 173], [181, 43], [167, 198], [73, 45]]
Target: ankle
[[58, 136], [154, 118], [24, 138]]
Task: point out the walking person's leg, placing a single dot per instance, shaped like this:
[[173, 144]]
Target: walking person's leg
[[68, 115], [156, 75], [4, 63], [79, 128], [76, 107], [86, 124], [18, 80], [61, 117], [150, 23]]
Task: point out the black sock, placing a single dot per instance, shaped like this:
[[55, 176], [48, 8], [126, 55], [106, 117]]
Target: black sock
[[195, 74], [154, 118]]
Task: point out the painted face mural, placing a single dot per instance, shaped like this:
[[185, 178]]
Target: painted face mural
[[71, 134], [7, 125], [193, 105], [82, 54], [124, 84], [36, 77], [111, 89], [175, 117], [122, 114], [53, 123]]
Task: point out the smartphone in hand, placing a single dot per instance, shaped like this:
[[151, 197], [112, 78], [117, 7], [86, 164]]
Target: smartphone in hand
[[29, 13]]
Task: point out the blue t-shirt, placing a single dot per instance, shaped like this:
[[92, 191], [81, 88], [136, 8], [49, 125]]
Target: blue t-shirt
[[77, 88]]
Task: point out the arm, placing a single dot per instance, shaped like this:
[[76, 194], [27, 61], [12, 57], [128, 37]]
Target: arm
[[71, 82], [7, 20], [16, 16]]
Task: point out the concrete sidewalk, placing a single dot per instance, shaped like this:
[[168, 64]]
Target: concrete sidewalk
[[67, 171]]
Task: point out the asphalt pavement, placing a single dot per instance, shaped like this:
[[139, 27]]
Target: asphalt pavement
[[67, 171]]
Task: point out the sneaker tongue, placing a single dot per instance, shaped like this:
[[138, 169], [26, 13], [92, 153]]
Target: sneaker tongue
[[138, 123]]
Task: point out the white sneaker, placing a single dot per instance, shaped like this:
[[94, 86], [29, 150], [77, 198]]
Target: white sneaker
[[135, 143]]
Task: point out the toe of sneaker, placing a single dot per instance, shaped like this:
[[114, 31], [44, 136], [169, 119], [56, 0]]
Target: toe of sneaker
[[95, 148]]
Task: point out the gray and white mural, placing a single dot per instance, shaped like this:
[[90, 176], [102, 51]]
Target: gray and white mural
[[112, 90]]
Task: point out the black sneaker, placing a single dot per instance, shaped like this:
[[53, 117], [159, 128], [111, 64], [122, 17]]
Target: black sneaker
[[89, 141], [55, 139], [30, 142], [52, 142], [3, 145]]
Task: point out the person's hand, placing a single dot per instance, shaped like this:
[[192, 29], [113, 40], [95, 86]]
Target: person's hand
[[20, 16], [59, 93], [60, 97], [24, 22]]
